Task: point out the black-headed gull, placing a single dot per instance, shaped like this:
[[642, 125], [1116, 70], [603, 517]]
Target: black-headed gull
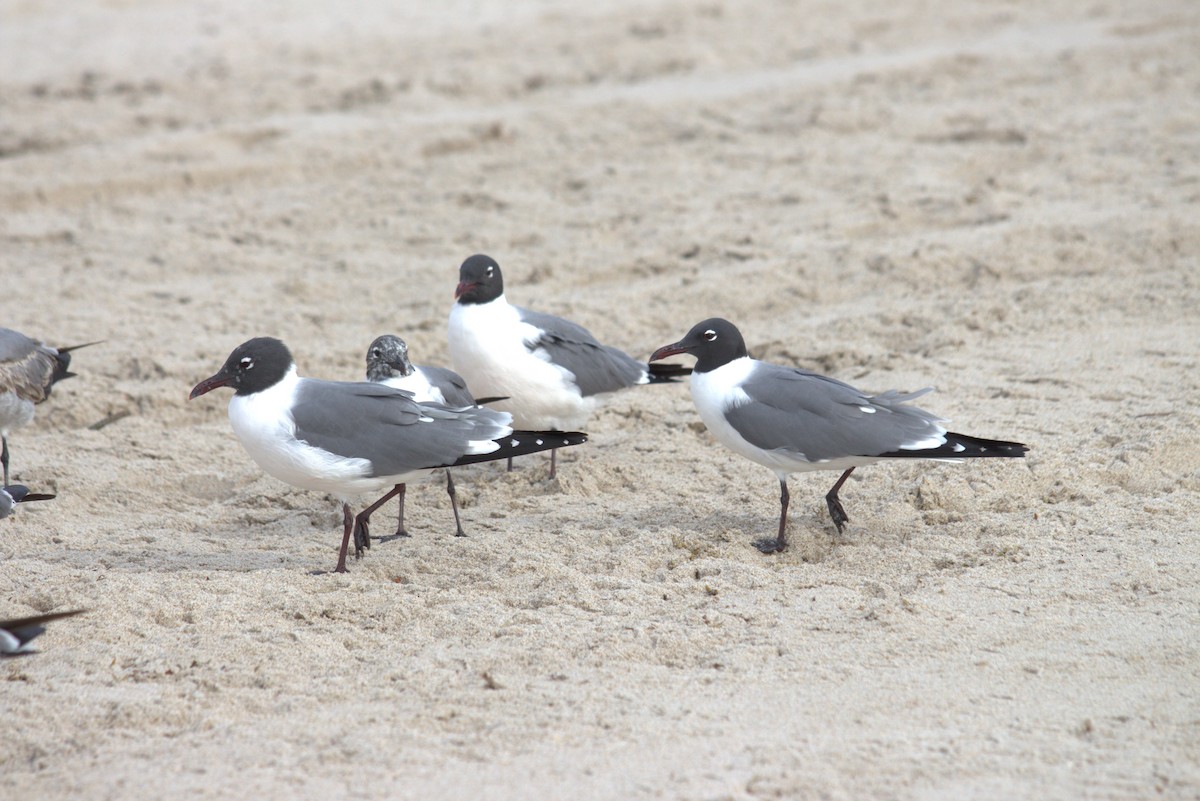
[[351, 438], [792, 420], [549, 371]]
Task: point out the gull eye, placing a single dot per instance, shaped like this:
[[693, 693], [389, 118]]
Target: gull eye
[[491, 271], [246, 363], [710, 335]]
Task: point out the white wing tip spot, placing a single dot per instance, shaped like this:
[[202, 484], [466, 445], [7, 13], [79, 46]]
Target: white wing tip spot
[[514, 443], [958, 448], [867, 409], [538, 441]]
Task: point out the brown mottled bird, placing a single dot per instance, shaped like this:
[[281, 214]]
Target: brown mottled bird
[[28, 369]]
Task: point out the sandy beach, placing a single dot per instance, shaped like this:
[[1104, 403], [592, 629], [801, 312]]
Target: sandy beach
[[998, 199]]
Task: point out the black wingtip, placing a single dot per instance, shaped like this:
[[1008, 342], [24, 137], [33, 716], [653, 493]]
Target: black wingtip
[[976, 447], [665, 372], [37, 620], [77, 347], [26, 629], [963, 446], [520, 443], [21, 494]]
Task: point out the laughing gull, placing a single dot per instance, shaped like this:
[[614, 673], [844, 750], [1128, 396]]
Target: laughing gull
[[549, 370], [350, 438], [792, 420], [28, 370], [388, 363], [13, 494], [15, 635]]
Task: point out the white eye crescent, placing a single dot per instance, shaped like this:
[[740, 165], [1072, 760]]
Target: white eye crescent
[[710, 335], [247, 363]]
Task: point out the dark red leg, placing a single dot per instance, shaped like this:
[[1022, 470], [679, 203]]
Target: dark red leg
[[458, 532], [401, 531], [362, 523], [780, 542], [348, 522], [835, 506], [553, 461]]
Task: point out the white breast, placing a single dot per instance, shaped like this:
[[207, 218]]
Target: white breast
[[14, 412], [419, 385], [487, 347], [264, 425], [718, 390]]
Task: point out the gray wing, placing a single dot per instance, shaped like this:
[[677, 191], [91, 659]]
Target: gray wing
[[452, 385], [597, 368], [803, 412], [15, 346], [27, 367], [385, 426]]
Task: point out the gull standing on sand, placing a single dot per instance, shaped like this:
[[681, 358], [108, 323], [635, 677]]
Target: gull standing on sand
[[792, 420], [388, 364], [549, 371], [28, 371], [350, 438]]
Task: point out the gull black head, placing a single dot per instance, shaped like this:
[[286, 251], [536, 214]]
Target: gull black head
[[388, 358], [479, 280], [254, 365], [714, 342]]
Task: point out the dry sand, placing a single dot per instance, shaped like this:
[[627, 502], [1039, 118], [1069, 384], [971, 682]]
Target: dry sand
[[997, 198]]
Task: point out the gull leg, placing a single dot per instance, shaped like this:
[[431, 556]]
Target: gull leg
[[780, 542], [836, 511], [401, 531], [454, 505], [553, 461], [348, 522], [4, 459], [362, 523]]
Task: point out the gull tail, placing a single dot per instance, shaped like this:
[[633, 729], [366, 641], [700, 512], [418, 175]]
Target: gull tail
[[962, 446], [519, 443]]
